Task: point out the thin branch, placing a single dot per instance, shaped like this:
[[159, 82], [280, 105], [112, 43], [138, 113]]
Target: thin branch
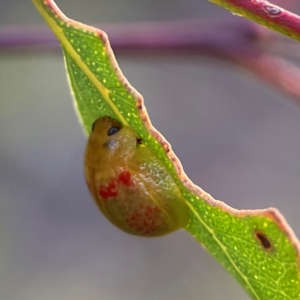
[[281, 74], [236, 40], [266, 14], [190, 35]]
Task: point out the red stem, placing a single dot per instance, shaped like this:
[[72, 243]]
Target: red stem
[[237, 41]]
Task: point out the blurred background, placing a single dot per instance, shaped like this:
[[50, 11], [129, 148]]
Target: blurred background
[[237, 137]]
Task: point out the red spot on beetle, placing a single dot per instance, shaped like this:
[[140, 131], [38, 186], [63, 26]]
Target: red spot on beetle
[[111, 190], [146, 220], [108, 191], [125, 178]]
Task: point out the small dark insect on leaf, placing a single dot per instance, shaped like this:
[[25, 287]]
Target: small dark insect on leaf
[[264, 240]]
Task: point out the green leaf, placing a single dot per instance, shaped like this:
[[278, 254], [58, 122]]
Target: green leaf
[[257, 247]]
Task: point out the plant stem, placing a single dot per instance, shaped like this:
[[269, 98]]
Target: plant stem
[[266, 14]]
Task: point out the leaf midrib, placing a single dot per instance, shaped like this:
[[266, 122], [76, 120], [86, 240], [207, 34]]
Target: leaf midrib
[[77, 59]]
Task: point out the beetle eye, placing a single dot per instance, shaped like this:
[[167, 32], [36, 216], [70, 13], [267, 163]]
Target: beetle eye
[[112, 130]]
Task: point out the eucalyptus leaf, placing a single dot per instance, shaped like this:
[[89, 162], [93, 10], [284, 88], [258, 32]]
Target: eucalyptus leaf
[[257, 247]]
